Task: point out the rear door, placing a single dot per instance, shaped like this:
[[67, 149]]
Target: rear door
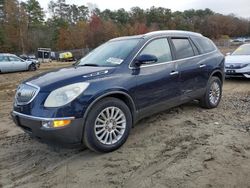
[[18, 64], [157, 87], [190, 67]]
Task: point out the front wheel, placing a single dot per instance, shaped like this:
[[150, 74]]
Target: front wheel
[[213, 94], [107, 125], [32, 67]]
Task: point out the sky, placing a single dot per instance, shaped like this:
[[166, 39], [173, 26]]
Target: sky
[[240, 8]]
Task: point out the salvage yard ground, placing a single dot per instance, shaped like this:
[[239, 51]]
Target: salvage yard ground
[[186, 146]]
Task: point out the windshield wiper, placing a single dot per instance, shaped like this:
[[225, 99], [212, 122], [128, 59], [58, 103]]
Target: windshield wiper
[[89, 64]]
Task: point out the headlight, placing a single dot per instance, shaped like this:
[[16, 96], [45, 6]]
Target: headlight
[[65, 95], [244, 65]]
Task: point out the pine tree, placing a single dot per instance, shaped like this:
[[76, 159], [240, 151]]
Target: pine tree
[[35, 12]]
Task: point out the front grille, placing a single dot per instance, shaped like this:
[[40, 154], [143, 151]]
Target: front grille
[[25, 94], [235, 66]]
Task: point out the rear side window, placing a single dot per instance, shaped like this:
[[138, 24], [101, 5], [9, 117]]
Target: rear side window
[[183, 48], [205, 45], [160, 48], [3, 58]]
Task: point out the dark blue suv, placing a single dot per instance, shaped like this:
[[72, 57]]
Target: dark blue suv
[[97, 101]]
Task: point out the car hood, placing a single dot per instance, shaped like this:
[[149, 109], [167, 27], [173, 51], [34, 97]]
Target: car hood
[[60, 77], [234, 59]]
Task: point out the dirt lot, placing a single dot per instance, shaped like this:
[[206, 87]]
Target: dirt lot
[[183, 147]]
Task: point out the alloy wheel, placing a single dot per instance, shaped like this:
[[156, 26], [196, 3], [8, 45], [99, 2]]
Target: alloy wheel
[[214, 93], [110, 125]]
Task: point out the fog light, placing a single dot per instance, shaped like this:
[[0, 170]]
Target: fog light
[[55, 123], [61, 123]]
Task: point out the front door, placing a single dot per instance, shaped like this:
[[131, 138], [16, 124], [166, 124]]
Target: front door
[[18, 64], [157, 87]]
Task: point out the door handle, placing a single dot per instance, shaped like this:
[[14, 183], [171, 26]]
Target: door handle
[[202, 65], [174, 73]]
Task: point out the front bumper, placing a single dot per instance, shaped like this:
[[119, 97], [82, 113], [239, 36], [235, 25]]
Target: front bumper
[[68, 135], [237, 73]]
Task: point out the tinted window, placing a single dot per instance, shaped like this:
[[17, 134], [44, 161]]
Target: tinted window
[[183, 48], [160, 48], [204, 44]]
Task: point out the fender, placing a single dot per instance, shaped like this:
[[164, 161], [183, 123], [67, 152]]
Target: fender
[[221, 73], [108, 93]]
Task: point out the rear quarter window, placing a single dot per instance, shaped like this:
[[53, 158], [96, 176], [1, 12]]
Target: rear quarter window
[[3, 58], [204, 44]]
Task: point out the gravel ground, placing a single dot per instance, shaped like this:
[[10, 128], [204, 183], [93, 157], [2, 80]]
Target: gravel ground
[[186, 146]]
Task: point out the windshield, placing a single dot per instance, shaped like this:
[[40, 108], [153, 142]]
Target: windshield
[[242, 50], [109, 54]]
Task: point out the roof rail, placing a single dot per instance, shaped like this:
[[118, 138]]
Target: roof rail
[[172, 32]]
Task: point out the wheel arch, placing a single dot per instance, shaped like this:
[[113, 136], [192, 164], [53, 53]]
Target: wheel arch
[[30, 63], [123, 96], [218, 73]]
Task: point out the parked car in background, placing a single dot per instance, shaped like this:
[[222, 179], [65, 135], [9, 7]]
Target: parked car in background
[[237, 64], [97, 101], [12, 63], [247, 41], [32, 58]]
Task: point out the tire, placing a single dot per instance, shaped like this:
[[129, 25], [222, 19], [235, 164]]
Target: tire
[[213, 94], [98, 126], [32, 67]]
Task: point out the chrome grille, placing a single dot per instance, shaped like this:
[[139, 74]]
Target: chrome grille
[[25, 94], [235, 66]]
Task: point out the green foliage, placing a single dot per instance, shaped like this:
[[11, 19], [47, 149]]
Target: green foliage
[[1, 36], [1, 10], [35, 12]]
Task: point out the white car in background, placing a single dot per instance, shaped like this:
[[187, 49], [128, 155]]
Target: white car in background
[[12, 63], [237, 64]]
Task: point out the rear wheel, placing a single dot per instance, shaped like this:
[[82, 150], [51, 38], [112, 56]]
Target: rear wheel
[[213, 94], [107, 125]]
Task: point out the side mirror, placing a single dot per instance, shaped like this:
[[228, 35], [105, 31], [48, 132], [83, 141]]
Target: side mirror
[[228, 53], [76, 63], [145, 59]]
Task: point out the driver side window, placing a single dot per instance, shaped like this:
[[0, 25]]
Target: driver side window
[[160, 48]]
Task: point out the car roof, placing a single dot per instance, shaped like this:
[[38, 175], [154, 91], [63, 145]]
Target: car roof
[[7, 54], [176, 33]]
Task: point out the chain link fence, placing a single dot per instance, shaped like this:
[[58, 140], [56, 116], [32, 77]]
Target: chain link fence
[[227, 46]]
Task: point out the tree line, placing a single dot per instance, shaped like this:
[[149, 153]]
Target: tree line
[[24, 26]]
